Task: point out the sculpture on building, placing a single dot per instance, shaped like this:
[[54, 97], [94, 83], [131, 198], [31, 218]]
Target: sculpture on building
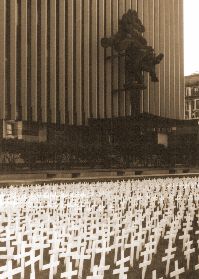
[[129, 43]]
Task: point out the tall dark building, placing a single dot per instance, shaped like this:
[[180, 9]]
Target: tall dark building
[[53, 68]]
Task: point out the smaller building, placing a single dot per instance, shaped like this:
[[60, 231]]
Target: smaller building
[[192, 96]]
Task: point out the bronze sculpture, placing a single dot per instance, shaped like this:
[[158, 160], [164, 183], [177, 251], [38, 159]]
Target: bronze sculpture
[[128, 42]]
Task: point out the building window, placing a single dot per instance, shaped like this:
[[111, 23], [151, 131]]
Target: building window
[[192, 105], [197, 104], [9, 129], [188, 91]]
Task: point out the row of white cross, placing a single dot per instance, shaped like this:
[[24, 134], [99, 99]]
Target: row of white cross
[[71, 225]]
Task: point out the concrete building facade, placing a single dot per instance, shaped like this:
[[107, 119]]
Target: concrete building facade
[[192, 96], [54, 70]]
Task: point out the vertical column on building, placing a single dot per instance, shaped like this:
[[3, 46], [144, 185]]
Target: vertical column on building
[[102, 60], [86, 76], [24, 59], [108, 52], [134, 5], [151, 42], [2, 56], [127, 95], [94, 55], [13, 40], [70, 66], [172, 60], [34, 59], [121, 69], [167, 58], [62, 57], [181, 44], [44, 59], [18, 63], [162, 49], [177, 60], [128, 5], [157, 51], [53, 60], [115, 93], [146, 22], [78, 77], [140, 10]]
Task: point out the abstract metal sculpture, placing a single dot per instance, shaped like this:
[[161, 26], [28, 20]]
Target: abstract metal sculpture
[[129, 43]]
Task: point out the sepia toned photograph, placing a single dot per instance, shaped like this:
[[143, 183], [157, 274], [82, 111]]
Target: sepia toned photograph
[[99, 139]]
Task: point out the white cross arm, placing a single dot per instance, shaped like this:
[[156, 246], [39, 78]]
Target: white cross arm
[[36, 259], [127, 259], [68, 274], [47, 266], [11, 272], [119, 270], [95, 277]]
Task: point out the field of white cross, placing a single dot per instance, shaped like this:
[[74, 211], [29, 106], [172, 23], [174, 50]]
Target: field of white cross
[[133, 229]]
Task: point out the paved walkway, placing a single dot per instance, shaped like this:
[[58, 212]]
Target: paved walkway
[[9, 182]]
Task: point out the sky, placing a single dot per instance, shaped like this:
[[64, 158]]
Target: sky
[[191, 36]]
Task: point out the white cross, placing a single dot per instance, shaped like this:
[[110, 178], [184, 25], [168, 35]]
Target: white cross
[[32, 261], [144, 265], [18, 241], [42, 247], [197, 218], [149, 250], [92, 251], [171, 236], [103, 250], [69, 271], [68, 252], [81, 257], [52, 265], [95, 275], [22, 256], [132, 245], [121, 271], [141, 241], [197, 265], [91, 239], [9, 255], [79, 244], [154, 275], [123, 260], [168, 257], [116, 246], [99, 270], [157, 234], [177, 271], [3, 268], [9, 273], [55, 247], [185, 237], [188, 252]]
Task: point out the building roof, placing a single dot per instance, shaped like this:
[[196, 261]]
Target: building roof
[[192, 80]]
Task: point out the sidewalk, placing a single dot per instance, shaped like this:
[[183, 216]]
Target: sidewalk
[[78, 175]]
